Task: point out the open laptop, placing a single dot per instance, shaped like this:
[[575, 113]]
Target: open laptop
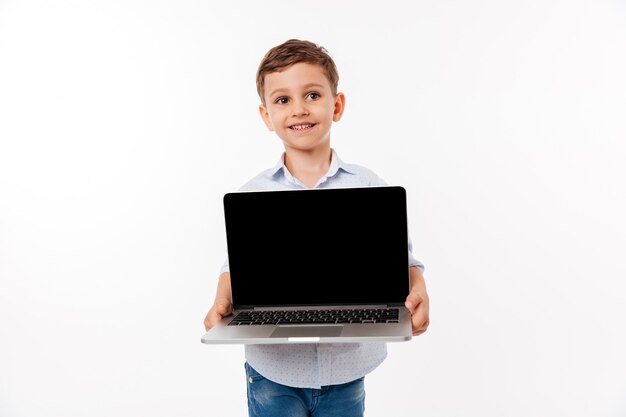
[[316, 265]]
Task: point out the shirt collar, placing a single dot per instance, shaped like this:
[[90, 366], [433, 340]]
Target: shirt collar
[[335, 165]]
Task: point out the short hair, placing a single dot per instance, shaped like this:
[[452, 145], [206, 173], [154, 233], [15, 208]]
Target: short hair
[[292, 52]]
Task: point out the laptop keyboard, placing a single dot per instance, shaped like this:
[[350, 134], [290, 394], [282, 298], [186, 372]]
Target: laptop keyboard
[[369, 315]]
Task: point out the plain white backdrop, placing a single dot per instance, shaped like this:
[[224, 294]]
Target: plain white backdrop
[[122, 124]]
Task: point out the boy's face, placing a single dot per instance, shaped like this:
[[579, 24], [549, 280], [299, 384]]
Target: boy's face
[[300, 106]]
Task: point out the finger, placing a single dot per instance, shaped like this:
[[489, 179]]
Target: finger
[[212, 319], [419, 332], [215, 315], [420, 316], [419, 323], [207, 322]]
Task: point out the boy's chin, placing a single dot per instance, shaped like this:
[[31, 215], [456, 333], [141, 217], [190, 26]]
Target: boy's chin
[[305, 145]]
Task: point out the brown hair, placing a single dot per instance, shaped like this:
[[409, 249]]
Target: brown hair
[[292, 52]]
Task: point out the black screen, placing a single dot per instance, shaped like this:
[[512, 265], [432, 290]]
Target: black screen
[[318, 246]]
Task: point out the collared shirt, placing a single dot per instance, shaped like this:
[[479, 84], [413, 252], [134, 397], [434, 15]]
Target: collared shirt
[[316, 364]]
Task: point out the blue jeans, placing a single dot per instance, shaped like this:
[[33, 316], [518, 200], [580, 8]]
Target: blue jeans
[[269, 399]]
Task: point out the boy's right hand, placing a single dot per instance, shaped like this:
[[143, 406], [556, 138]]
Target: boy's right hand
[[220, 309]]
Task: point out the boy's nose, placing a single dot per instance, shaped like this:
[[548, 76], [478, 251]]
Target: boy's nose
[[300, 108]]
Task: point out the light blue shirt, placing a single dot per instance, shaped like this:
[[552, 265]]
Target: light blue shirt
[[316, 365]]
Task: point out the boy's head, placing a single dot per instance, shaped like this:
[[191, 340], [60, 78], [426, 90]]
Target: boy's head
[[292, 52], [297, 83]]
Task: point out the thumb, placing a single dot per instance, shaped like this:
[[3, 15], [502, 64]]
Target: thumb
[[412, 301]]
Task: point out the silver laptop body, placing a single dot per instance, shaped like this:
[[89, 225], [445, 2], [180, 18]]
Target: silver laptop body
[[316, 265]]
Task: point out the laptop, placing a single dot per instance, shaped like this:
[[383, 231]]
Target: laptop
[[316, 265]]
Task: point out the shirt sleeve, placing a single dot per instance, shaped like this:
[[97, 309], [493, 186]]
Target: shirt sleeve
[[412, 260], [225, 267]]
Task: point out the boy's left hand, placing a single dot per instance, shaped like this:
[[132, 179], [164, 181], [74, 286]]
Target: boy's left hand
[[417, 303]]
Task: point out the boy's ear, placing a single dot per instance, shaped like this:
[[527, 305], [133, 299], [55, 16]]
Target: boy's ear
[[266, 117], [340, 104]]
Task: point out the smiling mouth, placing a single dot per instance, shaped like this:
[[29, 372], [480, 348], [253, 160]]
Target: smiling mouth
[[302, 127]]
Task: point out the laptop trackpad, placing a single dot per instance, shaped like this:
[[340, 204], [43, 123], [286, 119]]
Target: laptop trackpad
[[307, 331]]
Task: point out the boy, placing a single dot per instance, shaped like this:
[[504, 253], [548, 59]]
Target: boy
[[297, 85]]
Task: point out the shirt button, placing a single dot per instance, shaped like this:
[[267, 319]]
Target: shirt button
[[250, 380]]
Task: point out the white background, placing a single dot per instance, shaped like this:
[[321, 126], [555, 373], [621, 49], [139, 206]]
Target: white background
[[122, 123]]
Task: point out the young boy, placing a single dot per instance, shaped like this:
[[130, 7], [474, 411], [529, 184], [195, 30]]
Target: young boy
[[297, 85]]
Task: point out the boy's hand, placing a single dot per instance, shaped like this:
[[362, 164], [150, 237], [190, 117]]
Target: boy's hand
[[417, 303], [220, 309]]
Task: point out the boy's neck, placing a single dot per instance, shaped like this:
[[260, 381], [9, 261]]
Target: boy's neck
[[308, 166]]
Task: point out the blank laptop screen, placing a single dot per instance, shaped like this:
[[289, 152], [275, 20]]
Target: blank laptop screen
[[318, 246]]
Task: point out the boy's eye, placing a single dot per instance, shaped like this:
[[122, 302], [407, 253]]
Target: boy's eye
[[313, 96], [282, 100]]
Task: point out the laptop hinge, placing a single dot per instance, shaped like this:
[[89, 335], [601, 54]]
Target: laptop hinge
[[324, 307]]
